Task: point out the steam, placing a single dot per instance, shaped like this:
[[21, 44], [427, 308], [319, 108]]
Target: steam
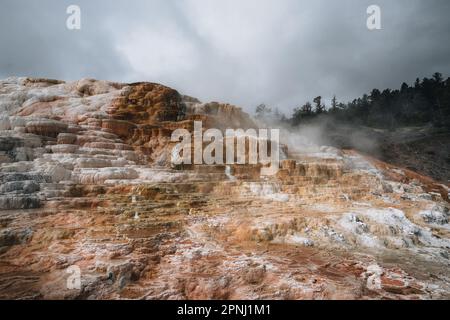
[[323, 135]]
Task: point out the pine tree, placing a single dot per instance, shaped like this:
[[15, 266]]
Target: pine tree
[[262, 111], [334, 104], [437, 77], [319, 108], [417, 84]]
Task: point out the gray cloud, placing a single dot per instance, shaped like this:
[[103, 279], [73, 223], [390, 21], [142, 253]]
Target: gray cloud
[[244, 52]]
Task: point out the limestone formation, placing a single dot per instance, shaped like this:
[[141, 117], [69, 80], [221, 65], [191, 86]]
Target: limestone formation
[[86, 180], [46, 127]]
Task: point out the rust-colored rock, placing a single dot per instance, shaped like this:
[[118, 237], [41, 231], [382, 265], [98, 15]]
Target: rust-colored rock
[[46, 127], [148, 103]]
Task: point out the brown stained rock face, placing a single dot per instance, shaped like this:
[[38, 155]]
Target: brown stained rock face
[[220, 115], [148, 103], [144, 115], [46, 127], [121, 128], [67, 138]]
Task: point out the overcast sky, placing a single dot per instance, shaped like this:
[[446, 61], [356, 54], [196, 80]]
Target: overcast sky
[[245, 52]]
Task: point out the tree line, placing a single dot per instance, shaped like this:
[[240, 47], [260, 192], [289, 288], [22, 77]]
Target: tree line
[[427, 101]]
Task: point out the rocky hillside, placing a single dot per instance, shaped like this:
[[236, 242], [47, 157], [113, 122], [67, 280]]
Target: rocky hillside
[[423, 149], [85, 180]]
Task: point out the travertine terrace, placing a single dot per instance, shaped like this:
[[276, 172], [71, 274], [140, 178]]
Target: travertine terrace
[[86, 180]]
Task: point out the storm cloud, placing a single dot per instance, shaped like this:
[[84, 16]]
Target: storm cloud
[[244, 52]]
